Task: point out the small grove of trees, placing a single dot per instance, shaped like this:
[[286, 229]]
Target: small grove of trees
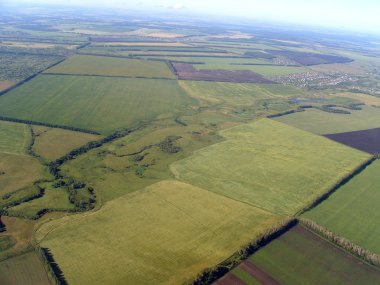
[[167, 145], [364, 254]]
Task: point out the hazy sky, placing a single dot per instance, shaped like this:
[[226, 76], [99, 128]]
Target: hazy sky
[[350, 14]]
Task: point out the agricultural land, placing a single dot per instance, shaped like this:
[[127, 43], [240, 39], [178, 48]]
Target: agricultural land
[[320, 122], [299, 257], [23, 269], [52, 143], [260, 165], [150, 150], [109, 66], [192, 227], [93, 103], [356, 217]]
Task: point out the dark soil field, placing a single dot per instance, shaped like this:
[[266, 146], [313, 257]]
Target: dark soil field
[[366, 140], [186, 71], [306, 58], [230, 280]]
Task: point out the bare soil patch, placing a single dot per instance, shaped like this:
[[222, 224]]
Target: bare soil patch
[[230, 279], [366, 140], [5, 84]]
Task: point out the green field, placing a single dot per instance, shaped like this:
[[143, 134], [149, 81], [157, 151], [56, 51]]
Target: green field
[[102, 104], [18, 171], [300, 257], [109, 66], [352, 211], [53, 143], [320, 122], [243, 276], [214, 62], [269, 165], [25, 269], [166, 233], [14, 137], [237, 94], [53, 199], [126, 52], [266, 70]]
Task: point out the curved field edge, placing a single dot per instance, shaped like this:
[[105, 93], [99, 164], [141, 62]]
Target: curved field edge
[[270, 165], [192, 228]]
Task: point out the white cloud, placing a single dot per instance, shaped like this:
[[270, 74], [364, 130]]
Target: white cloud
[[177, 6]]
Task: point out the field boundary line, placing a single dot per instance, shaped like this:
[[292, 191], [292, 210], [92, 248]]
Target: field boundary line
[[107, 76], [138, 56], [338, 185], [210, 275], [370, 258], [28, 122], [30, 77]]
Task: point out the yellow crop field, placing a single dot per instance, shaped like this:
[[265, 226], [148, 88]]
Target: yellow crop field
[[164, 234]]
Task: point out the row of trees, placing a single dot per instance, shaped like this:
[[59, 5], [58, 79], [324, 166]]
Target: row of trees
[[342, 242]]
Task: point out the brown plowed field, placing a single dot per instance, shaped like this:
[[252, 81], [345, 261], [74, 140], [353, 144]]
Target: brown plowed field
[[366, 140], [186, 71], [230, 279]]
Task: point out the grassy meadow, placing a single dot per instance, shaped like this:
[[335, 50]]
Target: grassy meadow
[[226, 63], [365, 98], [14, 137], [95, 103], [352, 211], [137, 160], [51, 143], [18, 171], [236, 94], [53, 199], [269, 165], [300, 257], [26, 269], [167, 233], [110, 66], [266, 70], [320, 122]]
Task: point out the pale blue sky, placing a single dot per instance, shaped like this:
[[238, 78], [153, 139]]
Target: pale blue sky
[[349, 14]]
